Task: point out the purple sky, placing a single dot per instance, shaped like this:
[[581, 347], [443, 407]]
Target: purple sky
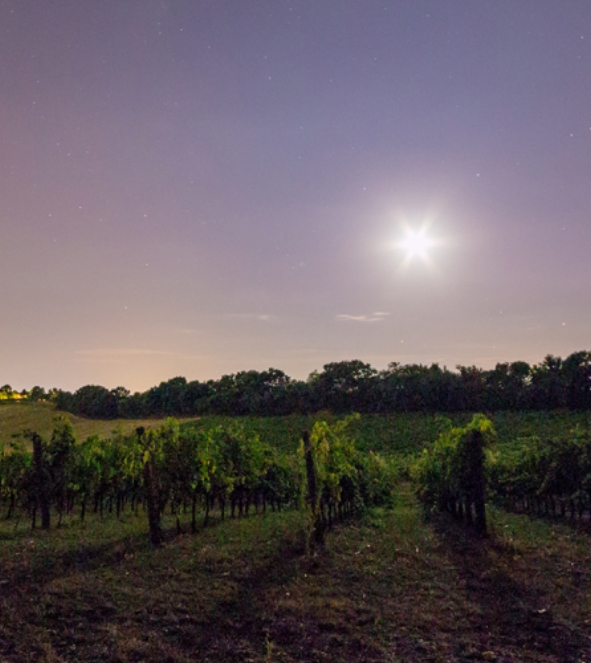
[[201, 187]]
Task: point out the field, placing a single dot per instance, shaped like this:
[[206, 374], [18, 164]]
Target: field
[[18, 416], [391, 586]]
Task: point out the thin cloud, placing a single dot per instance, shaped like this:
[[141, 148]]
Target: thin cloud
[[359, 318], [265, 317]]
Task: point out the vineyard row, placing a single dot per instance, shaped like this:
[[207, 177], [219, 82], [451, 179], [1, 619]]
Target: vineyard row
[[190, 471]]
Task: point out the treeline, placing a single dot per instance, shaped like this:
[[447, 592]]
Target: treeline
[[352, 386], [7, 393]]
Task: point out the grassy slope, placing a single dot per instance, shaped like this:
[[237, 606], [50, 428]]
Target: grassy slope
[[15, 417], [392, 588]]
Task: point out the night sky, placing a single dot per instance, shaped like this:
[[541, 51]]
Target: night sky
[[201, 187]]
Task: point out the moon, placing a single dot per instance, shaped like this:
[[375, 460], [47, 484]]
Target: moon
[[416, 244]]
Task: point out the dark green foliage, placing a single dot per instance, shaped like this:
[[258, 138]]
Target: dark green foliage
[[60, 454], [37, 394], [41, 482], [226, 466], [451, 475], [353, 386], [90, 401], [344, 386], [546, 476], [15, 476]]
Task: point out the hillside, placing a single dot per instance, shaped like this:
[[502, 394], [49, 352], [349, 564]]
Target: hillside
[[18, 416]]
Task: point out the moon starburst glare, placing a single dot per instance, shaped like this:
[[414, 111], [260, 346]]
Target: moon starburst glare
[[416, 244]]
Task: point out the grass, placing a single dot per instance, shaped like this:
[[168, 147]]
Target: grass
[[391, 587], [15, 417]]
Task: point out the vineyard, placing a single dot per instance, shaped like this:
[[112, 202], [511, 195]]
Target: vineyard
[[299, 538], [219, 467], [543, 477]]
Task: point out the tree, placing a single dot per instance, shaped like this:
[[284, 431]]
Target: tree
[[5, 392], [576, 372], [344, 385], [473, 381], [93, 401], [507, 386], [37, 394], [546, 384]]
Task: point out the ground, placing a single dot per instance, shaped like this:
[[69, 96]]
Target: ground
[[390, 587]]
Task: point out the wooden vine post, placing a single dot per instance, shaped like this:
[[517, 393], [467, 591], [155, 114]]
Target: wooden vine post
[[475, 482], [41, 481], [151, 486], [312, 484]]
